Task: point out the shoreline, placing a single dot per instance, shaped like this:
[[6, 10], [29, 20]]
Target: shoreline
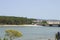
[[19, 25]]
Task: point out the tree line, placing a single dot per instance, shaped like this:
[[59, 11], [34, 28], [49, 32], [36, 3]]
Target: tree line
[[11, 20]]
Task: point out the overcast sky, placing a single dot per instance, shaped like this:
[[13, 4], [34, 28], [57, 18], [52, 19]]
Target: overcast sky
[[40, 9]]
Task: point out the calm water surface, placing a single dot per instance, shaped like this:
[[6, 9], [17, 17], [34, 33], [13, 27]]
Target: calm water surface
[[33, 32]]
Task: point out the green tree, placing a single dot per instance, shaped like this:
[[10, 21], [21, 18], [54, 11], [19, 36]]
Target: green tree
[[13, 34], [10, 20], [43, 22]]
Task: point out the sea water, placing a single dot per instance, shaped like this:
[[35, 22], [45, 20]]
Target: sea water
[[32, 32]]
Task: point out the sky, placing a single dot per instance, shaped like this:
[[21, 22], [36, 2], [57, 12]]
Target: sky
[[39, 9]]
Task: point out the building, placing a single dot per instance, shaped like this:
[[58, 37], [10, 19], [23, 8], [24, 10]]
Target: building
[[53, 22], [37, 21], [49, 22]]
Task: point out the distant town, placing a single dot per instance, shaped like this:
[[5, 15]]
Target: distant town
[[41, 22], [11, 20]]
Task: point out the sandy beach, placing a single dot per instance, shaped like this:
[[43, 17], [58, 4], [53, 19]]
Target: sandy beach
[[18, 25]]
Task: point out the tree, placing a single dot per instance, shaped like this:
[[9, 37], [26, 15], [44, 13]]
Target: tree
[[44, 22], [10, 20], [13, 34]]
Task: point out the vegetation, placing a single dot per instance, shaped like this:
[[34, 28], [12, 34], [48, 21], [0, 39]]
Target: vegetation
[[13, 34], [5, 39], [0, 38], [44, 22], [11, 20], [57, 36]]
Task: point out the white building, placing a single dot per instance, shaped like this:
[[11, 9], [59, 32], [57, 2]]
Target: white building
[[53, 21]]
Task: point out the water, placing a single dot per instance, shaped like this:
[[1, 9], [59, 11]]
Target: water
[[33, 32]]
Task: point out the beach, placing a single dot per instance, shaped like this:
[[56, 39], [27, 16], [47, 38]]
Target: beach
[[18, 25]]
